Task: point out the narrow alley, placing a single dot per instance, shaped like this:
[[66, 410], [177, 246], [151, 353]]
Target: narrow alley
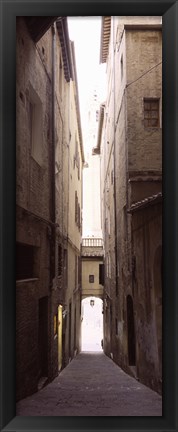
[[92, 385], [89, 216]]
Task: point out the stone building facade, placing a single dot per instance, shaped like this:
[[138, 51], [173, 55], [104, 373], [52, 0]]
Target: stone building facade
[[130, 146], [49, 160]]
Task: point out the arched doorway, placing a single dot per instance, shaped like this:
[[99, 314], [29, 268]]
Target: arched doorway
[[157, 270], [92, 324], [130, 332]]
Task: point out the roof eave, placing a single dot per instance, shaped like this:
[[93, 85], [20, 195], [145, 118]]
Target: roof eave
[[62, 29], [39, 25], [77, 102], [147, 202], [105, 38]]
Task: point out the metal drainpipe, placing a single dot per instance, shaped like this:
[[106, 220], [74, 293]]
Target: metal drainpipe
[[62, 171], [52, 202], [115, 167], [68, 145], [127, 177], [53, 197]]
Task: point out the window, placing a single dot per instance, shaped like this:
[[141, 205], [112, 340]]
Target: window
[[151, 113], [76, 207], [60, 78], [101, 274], [65, 267], [91, 278], [121, 64], [97, 115], [77, 157], [76, 151], [76, 271], [79, 271], [26, 261], [59, 260], [77, 212], [78, 167], [36, 127], [78, 216]]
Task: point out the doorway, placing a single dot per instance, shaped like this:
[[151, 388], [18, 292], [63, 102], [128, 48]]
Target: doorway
[[130, 332], [70, 323], [158, 300], [59, 337], [92, 324], [43, 337]]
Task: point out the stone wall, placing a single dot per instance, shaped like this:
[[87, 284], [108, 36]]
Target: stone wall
[[134, 153]]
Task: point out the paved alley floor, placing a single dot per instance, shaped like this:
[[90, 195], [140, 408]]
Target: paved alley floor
[[92, 385]]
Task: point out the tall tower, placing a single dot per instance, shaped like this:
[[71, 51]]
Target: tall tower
[[91, 173]]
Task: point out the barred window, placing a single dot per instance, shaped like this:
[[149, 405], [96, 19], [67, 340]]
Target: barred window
[[151, 112]]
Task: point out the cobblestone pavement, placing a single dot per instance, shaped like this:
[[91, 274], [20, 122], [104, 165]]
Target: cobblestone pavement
[[92, 385]]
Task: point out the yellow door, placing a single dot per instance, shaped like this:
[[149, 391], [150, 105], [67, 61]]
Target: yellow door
[[59, 337]]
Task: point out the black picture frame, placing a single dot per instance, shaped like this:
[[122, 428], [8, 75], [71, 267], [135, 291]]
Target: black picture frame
[[8, 11]]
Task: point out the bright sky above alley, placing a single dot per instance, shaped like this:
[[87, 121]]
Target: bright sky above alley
[[85, 32]]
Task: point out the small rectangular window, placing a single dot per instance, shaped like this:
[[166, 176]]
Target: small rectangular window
[[91, 278], [78, 167], [36, 127], [151, 113], [27, 265], [76, 207]]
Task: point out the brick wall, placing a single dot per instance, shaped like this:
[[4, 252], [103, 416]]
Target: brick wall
[[137, 152], [34, 211], [144, 54]]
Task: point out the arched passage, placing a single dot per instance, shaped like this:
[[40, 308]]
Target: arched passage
[[92, 324], [130, 331], [157, 270]]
